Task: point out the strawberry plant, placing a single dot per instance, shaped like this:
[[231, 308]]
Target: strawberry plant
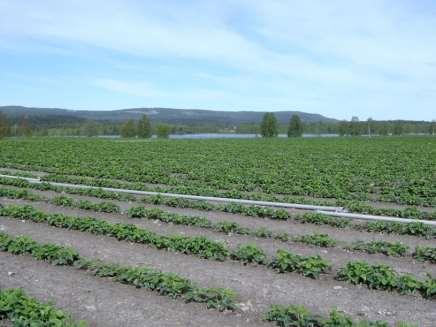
[[387, 248], [167, 284], [423, 253], [249, 253], [320, 219], [23, 310], [312, 267], [299, 316], [322, 240]]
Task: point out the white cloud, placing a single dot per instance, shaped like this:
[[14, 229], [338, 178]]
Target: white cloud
[[374, 54]]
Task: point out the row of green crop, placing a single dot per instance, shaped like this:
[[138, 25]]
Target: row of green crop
[[298, 316], [322, 240], [167, 284], [104, 206], [256, 211], [351, 204], [400, 170], [22, 311], [200, 246], [284, 261], [414, 229], [198, 221], [382, 277]]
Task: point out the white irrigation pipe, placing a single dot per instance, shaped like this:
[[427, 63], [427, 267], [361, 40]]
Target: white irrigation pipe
[[186, 196], [326, 210], [376, 218]]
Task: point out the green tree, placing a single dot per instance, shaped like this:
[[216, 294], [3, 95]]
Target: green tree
[[343, 128], [144, 127], [383, 129], [432, 129], [163, 131], [90, 129], [355, 126], [370, 126], [295, 128], [398, 128], [269, 125], [4, 125], [128, 129], [24, 128]]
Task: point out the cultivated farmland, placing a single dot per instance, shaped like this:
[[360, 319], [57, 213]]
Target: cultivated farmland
[[117, 259]]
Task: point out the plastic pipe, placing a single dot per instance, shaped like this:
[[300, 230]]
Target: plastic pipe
[[376, 218], [185, 196]]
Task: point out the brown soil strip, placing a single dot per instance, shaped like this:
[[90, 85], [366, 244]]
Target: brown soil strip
[[257, 285]]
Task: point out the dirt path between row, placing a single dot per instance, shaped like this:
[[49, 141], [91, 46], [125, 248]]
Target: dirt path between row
[[256, 285], [103, 303]]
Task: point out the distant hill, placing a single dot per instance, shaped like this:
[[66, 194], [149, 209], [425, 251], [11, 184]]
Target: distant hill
[[166, 115]]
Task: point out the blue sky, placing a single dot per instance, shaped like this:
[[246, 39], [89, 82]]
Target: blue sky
[[367, 58]]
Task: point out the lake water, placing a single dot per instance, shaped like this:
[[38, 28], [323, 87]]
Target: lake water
[[236, 136], [223, 136]]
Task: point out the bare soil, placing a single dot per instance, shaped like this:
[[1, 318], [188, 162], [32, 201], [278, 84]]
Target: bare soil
[[258, 286]]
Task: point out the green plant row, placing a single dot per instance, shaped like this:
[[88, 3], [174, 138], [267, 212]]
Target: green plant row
[[199, 245], [104, 206], [309, 266], [20, 194], [167, 284], [235, 208], [396, 249], [256, 211], [198, 221], [400, 170], [322, 240], [414, 228], [385, 278], [98, 193], [61, 200], [17, 173], [409, 212], [22, 311], [425, 253], [299, 316]]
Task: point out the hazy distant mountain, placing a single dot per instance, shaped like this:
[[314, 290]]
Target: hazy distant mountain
[[167, 115]]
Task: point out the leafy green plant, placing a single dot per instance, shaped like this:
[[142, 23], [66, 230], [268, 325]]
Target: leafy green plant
[[322, 240], [424, 253], [299, 316], [320, 219], [23, 310], [385, 278], [199, 245], [167, 284], [249, 253], [415, 228], [20, 194], [104, 206], [231, 227], [396, 249], [311, 266]]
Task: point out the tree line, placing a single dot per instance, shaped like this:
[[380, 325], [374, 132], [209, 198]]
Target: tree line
[[269, 127]]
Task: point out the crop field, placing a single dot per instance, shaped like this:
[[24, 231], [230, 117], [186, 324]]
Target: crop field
[[75, 256]]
